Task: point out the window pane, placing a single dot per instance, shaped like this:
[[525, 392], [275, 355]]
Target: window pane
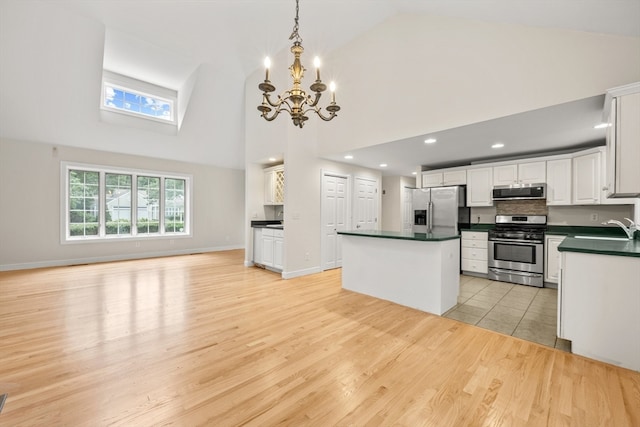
[[174, 197], [135, 102], [148, 214], [84, 206], [118, 204]]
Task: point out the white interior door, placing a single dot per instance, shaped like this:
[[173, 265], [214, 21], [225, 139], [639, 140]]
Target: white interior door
[[366, 204], [407, 209], [334, 219]]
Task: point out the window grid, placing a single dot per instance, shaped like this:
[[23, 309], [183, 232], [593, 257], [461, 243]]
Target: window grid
[[132, 203], [130, 101]]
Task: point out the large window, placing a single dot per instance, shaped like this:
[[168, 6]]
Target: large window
[[108, 203]]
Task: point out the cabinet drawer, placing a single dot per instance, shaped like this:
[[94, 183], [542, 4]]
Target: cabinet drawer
[[474, 254], [475, 235], [476, 266], [267, 232], [466, 243], [278, 233]]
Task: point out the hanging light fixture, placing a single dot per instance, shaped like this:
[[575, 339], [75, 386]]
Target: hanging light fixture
[[296, 101]]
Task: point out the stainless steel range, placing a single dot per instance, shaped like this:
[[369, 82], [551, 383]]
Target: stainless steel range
[[516, 249]]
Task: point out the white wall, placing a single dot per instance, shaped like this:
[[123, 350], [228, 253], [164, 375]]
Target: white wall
[[30, 207], [415, 74], [581, 215]]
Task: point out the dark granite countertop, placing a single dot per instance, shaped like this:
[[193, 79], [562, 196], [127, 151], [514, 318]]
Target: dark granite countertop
[[629, 248], [268, 223], [401, 235], [479, 227]]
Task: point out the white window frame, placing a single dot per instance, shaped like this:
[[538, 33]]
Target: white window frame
[[141, 88], [66, 238]]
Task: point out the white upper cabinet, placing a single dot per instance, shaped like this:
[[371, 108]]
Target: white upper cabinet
[[522, 173], [444, 178], [431, 179], [479, 187], [559, 182], [458, 177], [586, 179], [622, 109]]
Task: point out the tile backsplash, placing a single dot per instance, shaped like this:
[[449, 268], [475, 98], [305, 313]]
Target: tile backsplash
[[522, 207]]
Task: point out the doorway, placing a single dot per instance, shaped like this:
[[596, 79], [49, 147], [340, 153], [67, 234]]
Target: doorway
[[366, 200]]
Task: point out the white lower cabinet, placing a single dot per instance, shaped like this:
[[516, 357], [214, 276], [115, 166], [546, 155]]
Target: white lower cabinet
[[599, 307], [268, 247], [474, 251], [552, 257]]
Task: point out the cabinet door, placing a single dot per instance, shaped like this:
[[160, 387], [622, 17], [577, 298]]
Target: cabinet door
[[479, 187], [532, 173], [559, 182], [505, 175], [431, 179], [552, 258], [454, 177], [267, 249], [268, 187], [278, 252], [257, 245], [586, 179]]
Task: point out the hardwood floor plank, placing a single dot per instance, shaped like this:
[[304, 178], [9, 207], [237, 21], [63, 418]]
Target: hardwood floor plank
[[203, 340]]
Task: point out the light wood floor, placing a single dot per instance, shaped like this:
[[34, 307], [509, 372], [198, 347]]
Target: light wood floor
[[202, 340]]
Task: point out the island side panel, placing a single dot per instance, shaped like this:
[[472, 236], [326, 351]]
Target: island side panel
[[601, 307], [418, 274]]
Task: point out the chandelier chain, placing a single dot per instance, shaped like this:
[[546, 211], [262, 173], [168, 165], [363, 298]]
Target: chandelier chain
[[296, 26]]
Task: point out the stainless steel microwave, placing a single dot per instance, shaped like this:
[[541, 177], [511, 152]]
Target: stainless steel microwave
[[520, 192]]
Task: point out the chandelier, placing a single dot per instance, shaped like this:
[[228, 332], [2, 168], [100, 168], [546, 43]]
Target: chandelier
[[296, 101]]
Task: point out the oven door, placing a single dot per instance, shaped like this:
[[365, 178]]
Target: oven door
[[517, 255]]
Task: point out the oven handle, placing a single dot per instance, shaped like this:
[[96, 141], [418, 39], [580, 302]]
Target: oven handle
[[517, 241], [519, 273]]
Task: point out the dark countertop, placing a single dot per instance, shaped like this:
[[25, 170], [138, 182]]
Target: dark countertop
[[268, 222], [479, 227], [629, 248], [401, 235]]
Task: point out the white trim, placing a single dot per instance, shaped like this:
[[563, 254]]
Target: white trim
[[111, 258], [298, 273]]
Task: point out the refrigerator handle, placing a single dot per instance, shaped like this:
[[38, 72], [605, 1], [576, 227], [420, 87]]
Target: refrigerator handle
[[430, 217]]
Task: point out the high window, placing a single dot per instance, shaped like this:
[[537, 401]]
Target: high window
[[136, 98], [108, 203]]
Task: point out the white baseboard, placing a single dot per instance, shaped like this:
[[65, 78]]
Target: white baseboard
[[122, 257], [298, 273]]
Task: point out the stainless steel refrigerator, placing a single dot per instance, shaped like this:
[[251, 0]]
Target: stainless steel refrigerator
[[440, 210]]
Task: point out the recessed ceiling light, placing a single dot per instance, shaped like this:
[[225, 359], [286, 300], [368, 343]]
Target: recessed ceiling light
[[348, 157], [497, 145], [429, 140], [414, 173], [383, 165], [602, 126], [272, 159]]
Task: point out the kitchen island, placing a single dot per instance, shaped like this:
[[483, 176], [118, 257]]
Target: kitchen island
[[418, 270]]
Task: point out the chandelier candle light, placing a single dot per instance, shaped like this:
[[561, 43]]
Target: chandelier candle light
[[296, 101]]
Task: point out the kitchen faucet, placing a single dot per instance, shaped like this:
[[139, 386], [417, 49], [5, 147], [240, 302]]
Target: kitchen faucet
[[629, 231]]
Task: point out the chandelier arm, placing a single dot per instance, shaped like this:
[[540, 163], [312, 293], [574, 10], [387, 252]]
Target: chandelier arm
[[269, 119], [268, 98], [318, 111], [312, 102]]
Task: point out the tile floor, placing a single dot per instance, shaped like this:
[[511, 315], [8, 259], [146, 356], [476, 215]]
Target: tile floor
[[525, 312]]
